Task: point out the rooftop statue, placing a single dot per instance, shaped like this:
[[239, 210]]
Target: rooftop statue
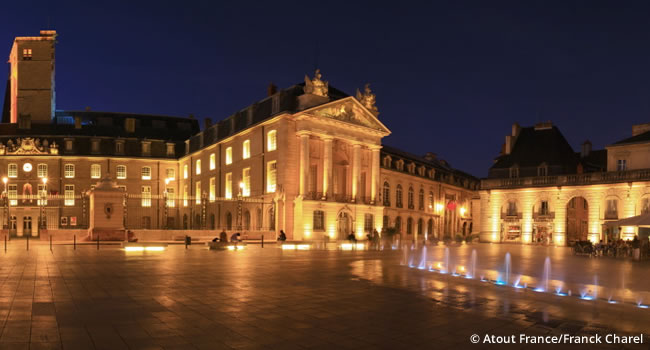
[[316, 86], [368, 99]]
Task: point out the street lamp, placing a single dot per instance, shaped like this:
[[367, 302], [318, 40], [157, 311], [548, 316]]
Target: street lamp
[[165, 194], [6, 203], [43, 196], [239, 206]]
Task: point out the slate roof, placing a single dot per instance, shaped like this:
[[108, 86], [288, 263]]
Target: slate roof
[[534, 147], [640, 138]]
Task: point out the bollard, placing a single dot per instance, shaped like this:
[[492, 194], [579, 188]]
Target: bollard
[[50, 243], [75, 242], [27, 242], [97, 242], [262, 241]]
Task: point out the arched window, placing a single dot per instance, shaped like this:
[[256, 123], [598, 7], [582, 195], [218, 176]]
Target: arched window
[[398, 224], [259, 219], [420, 226], [319, 220], [421, 199], [430, 199], [385, 223], [409, 226], [430, 228], [386, 194], [247, 220], [398, 196], [410, 199]]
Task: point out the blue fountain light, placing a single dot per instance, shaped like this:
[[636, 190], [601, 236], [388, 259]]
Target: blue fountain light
[[500, 283], [612, 301], [587, 297], [539, 290], [643, 306], [561, 294]]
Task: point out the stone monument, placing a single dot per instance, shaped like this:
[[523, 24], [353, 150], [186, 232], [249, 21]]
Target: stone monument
[[106, 211]]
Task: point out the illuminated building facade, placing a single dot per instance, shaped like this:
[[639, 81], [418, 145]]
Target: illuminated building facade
[[541, 191], [306, 159]]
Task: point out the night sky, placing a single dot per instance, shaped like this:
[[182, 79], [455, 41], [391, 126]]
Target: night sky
[[450, 78]]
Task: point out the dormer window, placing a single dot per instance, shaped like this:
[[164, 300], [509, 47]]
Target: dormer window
[[119, 147], [129, 125], [514, 172], [94, 146], [421, 170], [542, 170], [68, 145], [432, 173], [171, 149], [400, 165], [387, 161], [27, 54], [146, 148], [411, 168]]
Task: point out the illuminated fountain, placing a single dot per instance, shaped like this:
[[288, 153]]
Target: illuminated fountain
[[423, 261], [545, 276], [505, 279], [472, 265], [445, 267]]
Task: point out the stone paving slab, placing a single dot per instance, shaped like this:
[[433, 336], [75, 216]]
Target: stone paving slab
[[266, 298]]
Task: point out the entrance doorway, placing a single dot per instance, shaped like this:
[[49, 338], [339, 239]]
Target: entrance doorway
[[577, 211], [27, 225], [344, 226]]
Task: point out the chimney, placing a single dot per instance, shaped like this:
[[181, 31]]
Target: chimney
[[77, 122], [586, 149], [508, 146], [640, 129], [515, 130], [430, 156], [207, 123], [271, 89]]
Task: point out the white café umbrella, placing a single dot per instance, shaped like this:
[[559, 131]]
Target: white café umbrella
[[639, 221]]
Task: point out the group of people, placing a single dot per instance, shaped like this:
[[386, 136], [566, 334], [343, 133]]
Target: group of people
[[620, 248]]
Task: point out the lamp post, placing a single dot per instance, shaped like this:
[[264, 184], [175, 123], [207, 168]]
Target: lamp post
[[6, 203], [165, 194], [43, 196], [239, 206]]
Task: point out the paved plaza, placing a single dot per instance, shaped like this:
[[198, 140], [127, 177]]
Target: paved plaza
[[269, 298]]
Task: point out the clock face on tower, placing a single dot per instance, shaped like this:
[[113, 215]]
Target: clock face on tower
[[27, 167]]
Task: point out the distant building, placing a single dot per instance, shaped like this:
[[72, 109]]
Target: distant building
[[307, 159], [540, 190]]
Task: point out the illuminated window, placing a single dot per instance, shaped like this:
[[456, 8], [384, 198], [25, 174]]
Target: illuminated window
[[68, 195], [430, 199], [27, 54], [319, 220], [368, 223], [185, 171], [41, 170], [197, 192], [94, 146], [228, 190], [185, 195], [229, 155], [42, 194], [271, 176], [13, 170], [68, 171], [246, 149], [213, 189], [621, 165], [213, 161], [171, 199], [146, 196], [171, 151], [198, 167], [543, 209], [13, 194], [95, 171], [271, 140], [398, 196], [129, 125], [171, 174], [68, 145], [119, 147], [146, 148], [246, 180], [146, 173], [410, 198], [121, 171]]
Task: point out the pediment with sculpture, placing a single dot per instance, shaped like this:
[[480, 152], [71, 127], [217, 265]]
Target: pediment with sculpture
[[28, 145], [350, 111]]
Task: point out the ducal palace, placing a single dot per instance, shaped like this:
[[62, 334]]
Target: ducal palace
[[307, 159]]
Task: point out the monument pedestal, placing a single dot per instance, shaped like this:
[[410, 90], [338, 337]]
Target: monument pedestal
[[107, 212]]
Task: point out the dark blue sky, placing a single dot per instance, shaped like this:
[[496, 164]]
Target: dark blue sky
[[450, 77]]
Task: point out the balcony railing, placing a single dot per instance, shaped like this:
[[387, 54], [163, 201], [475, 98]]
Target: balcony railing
[[567, 180], [337, 197]]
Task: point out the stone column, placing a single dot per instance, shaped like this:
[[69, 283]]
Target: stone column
[[374, 180], [559, 223], [327, 165], [304, 162], [356, 165]]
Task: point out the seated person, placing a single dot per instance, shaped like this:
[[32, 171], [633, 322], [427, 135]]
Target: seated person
[[282, 237], [236, 237]]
